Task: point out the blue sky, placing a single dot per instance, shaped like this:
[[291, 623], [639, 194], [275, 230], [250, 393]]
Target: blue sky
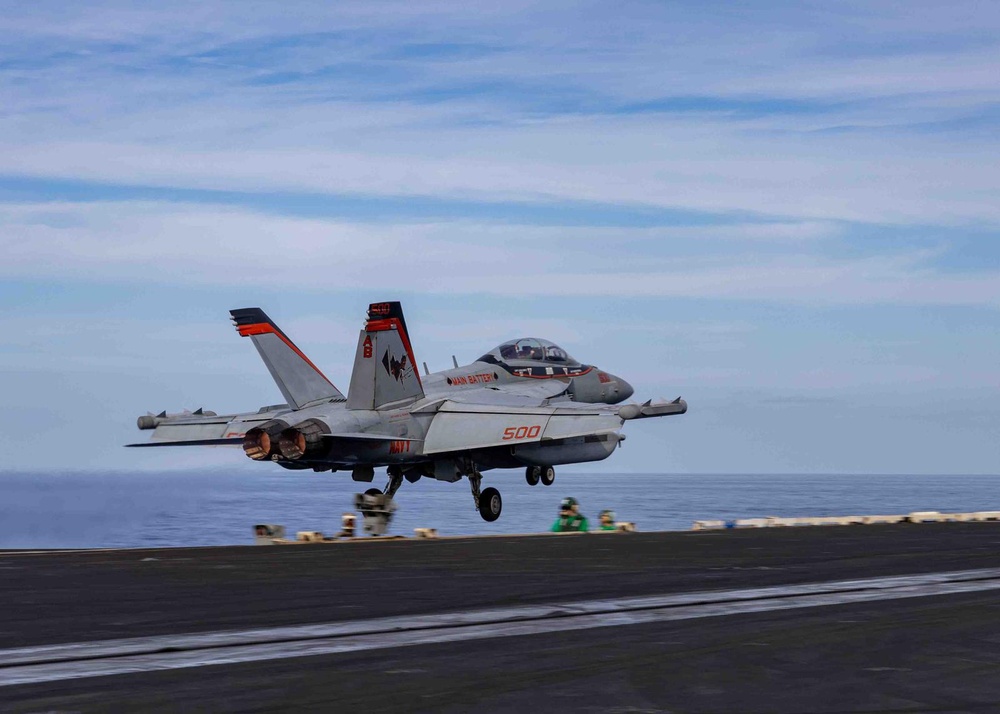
[[786, 212]]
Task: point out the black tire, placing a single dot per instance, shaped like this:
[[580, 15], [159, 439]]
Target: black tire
[[532, 474], [548, 476], [490, 504], [370, 492]]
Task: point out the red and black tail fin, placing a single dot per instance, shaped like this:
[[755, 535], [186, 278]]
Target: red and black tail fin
[[299, 380], [385, 370]]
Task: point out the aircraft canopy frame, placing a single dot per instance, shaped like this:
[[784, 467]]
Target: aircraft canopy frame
[[529, 349]]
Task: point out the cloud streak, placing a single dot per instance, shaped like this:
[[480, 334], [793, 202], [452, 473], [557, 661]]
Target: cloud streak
[[175, 244], [797, 197], [771, 112]]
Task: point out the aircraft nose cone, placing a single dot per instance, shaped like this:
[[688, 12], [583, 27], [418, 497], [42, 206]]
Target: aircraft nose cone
[[624, 389]]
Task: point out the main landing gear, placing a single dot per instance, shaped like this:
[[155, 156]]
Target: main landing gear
[[544, 474], [377, 506], [488, 501], [395, 481]]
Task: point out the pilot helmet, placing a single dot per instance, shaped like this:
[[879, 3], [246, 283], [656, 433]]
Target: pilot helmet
[[567, 503]]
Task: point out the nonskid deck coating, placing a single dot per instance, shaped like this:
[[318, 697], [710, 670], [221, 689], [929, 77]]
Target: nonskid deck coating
[[74, 596], [82, 660], [937, 652]]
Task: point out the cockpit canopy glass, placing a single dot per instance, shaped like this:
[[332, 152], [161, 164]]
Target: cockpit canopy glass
[[529, 348]]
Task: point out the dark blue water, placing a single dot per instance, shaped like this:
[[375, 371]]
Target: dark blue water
[[179, 508]]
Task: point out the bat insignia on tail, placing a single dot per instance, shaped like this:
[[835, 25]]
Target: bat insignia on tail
[[394, 367]]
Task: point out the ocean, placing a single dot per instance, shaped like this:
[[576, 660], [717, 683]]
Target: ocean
[[114, 510]]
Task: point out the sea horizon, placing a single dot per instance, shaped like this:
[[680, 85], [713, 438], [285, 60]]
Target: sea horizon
[[183, 507]]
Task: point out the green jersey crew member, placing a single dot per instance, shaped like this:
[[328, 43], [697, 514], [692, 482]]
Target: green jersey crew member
[[570, 519], [607, 520]]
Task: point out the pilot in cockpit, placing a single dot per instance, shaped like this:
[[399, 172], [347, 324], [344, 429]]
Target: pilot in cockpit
[[532, 350], [555, 354]]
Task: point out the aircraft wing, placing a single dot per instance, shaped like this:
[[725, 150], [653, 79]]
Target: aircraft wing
[[202, 428], [229, 430], [234, 441]]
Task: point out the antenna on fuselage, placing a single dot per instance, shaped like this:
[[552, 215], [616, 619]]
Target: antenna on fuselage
[[454, 361], [426, 371]]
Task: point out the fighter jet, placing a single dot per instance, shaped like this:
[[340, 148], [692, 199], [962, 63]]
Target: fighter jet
[[521, 405]]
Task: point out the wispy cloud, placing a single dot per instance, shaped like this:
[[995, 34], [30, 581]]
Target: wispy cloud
[[170, 243], [791, 196], [699, 110]]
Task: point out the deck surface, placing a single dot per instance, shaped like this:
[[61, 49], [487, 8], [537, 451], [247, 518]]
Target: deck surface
[[938, 653]]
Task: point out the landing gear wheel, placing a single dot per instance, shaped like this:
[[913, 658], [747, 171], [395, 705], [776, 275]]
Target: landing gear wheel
[[490, 504], [370, 492], [532, 474], [548, 476]]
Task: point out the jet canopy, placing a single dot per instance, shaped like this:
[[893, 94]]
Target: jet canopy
[[528, 349]]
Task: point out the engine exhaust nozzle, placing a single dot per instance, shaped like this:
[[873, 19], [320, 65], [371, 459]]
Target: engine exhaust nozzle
[[302, 440], [261, 442]]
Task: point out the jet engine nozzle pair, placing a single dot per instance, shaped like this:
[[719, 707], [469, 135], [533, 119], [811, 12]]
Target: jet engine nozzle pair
[[277, 438]]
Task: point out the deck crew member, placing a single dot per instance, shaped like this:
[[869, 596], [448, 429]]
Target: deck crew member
[[607, 520], [570, 519]]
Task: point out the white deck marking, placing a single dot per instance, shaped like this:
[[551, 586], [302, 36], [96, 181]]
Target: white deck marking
[[27, 665]]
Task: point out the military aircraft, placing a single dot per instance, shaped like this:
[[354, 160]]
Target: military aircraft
[[526, 404]]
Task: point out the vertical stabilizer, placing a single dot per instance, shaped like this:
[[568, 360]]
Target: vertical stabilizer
[[385, 370], [299, 380]]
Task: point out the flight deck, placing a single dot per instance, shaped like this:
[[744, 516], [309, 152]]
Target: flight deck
[[890, 617]]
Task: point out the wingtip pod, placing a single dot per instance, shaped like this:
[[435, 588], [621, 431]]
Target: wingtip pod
[[678, 406], [652, 409], [151, 421], [630, 411]]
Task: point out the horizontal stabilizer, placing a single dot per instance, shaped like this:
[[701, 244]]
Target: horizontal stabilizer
[[192, 442], [299, 380]]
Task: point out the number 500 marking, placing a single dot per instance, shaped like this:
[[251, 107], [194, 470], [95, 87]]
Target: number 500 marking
[[521, 432]]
